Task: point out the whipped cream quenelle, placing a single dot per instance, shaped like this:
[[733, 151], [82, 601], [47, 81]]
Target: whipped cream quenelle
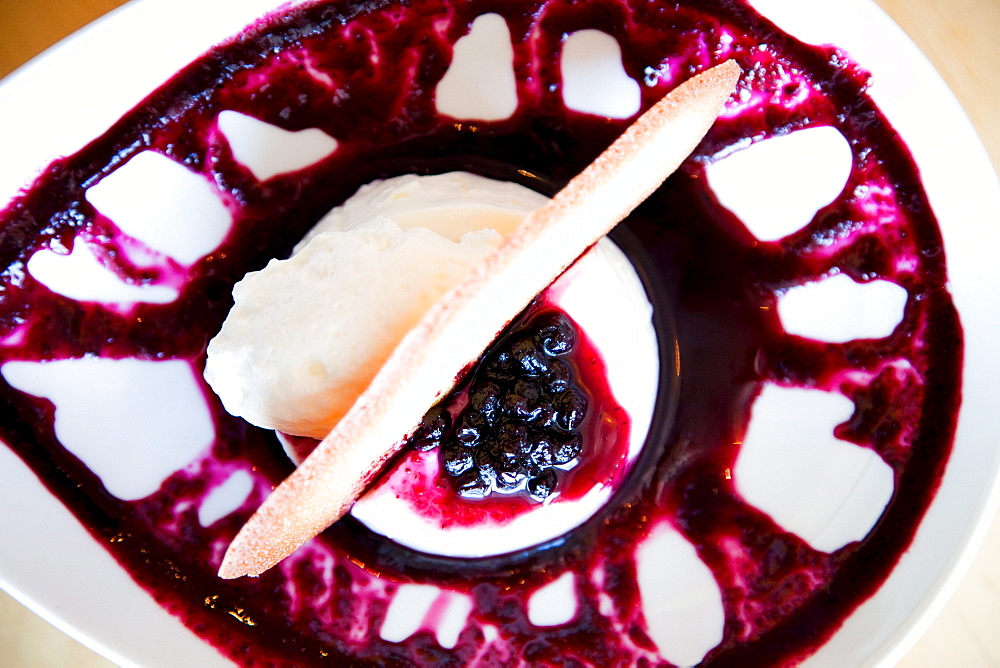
[[307, 334]]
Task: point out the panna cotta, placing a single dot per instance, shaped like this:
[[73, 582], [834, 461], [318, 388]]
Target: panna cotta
[[306, 334], [415, 505]]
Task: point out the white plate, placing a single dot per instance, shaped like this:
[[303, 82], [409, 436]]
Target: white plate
[[58, 570]]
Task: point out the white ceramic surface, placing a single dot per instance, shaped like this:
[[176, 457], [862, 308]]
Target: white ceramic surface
[[96, 608]]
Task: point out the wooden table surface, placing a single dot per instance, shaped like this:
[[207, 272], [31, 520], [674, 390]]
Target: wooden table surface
[[961, 39]]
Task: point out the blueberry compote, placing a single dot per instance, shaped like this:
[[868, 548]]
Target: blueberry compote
[[523, 412], [365, 73]]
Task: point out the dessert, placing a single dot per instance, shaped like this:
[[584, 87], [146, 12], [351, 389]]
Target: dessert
[[603, 284], [461, 322], [707, 275], [613, 363]]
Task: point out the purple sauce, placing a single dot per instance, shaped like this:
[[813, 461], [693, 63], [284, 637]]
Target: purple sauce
[[535, 416], [708, 278]]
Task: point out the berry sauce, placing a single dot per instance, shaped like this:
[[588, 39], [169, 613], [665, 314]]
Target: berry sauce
[[365, 72], [521, 419]]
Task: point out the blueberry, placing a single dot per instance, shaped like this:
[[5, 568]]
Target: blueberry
[[556, 336], [542, 485], [508, 481], [522, 415], [513, 438], [501, 366], [492, 456], [485, 399], [509, 458], [470, 429], [571, 408], [566, 450], [559, 376], [542, 415], [542, 453], [487, 469], [528, 357], [432, 429], [456, 459], [473, 485], [524, 400]]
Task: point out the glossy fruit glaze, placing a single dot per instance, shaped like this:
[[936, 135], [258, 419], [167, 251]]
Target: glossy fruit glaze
[[713, 287], [520, 422]]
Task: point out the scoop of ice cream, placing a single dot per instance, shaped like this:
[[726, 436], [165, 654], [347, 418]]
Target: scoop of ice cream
[[306, 335]]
